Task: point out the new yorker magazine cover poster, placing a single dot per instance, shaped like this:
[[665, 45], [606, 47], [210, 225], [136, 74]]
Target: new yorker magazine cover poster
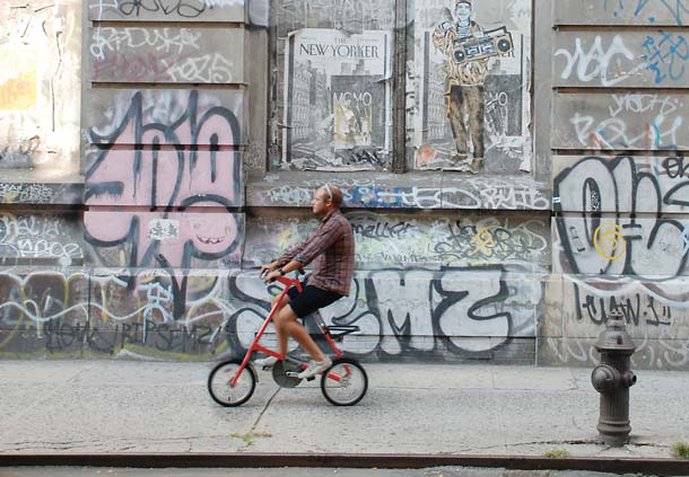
[[470, 78], [337, 100]]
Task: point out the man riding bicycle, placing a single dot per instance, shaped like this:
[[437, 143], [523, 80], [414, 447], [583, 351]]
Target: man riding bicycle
[[331, 249]]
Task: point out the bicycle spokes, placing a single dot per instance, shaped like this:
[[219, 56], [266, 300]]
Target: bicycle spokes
[[345, 383]]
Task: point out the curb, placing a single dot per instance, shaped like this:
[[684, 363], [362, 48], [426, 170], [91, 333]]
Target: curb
[[658, 466]]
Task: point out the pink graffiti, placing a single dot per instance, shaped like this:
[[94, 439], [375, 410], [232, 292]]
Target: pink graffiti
[[210, 234], [134, 67], [186, 173]]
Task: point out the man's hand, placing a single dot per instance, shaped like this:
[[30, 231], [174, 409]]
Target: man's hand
[[268, 267], [271, 276]]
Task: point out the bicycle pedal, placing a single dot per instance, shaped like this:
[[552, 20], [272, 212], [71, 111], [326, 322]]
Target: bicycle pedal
[[311, 378]]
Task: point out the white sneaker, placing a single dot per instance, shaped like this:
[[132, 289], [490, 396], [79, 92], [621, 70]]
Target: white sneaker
[[268, 362], [315, 367]]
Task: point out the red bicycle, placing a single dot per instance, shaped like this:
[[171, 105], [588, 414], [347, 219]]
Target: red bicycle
[[232, 382]]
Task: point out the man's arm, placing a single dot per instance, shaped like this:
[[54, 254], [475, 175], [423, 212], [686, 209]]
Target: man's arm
[[305, 253], [291, 252], [290, 266]]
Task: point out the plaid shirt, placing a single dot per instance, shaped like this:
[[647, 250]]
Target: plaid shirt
[[331, 249]]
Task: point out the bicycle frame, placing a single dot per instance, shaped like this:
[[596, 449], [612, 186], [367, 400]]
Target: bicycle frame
[[257, 346]]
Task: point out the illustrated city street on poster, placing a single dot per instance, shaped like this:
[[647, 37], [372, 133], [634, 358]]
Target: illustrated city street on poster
[[337, 100]]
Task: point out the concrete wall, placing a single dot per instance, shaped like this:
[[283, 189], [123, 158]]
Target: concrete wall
[[617, 138], [163, 150]]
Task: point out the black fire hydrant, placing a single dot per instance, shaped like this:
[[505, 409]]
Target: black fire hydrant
[[612, 379]]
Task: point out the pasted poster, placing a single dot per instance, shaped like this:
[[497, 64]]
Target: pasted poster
[[359, 109], [40, 57], [18, 79], [473, 109], [337, 101]]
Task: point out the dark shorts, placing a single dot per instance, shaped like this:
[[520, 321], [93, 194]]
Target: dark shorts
[[310, 299]]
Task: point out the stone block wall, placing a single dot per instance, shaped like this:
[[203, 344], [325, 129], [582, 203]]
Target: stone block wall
[[154, 154], [618, 146]]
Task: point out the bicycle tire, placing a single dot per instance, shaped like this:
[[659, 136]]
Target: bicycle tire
[[351, 386], [219, 383]]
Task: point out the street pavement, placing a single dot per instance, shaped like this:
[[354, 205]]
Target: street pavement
[[129, 406]]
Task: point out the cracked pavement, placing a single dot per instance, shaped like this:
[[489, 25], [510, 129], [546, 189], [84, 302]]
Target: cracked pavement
[[140, 406]]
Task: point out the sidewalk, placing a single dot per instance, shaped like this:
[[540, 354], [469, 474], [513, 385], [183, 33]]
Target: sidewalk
[[130, 406]]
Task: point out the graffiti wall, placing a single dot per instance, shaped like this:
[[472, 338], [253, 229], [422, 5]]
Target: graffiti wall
[[408, 192], [655, 314], [163, 176], [631, 222], [186, 163], [413, 240], [619, 233], [40, 239], [432, 288], [162, 167], [78, 314], [449, 314], [142, 191], [161, 190]]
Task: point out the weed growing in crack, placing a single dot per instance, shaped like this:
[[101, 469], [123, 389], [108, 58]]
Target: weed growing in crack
[[556, 453], [248, 437], [680, 450]]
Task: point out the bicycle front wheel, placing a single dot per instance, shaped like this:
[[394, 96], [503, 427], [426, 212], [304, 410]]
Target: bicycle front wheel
[[220, 388], [345, 383]]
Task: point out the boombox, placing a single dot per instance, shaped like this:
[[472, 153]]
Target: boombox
[[489, 43]]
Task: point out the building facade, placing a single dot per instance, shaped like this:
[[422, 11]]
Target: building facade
[[513, 171]]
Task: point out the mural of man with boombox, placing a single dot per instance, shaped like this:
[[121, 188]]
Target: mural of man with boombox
[[464, 44]]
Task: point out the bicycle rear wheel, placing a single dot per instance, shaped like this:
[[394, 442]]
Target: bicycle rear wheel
[[219, 384], [345, 383]]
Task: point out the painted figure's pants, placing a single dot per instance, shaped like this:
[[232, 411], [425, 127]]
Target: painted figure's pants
[[469, 101]]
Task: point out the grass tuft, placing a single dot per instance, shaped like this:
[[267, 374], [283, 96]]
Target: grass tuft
[[556, 454], [248, 437], [680, 450]]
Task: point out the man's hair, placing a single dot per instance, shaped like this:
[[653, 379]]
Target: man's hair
[[334, 194]]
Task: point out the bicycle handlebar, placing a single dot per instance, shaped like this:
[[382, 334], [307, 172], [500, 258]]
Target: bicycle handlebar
[[288, 282]]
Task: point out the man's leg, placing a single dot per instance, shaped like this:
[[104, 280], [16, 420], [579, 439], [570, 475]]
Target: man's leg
[[280, 334], [287, 325]]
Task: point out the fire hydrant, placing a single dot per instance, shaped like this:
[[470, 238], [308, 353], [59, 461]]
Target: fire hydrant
[[612, 379]]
